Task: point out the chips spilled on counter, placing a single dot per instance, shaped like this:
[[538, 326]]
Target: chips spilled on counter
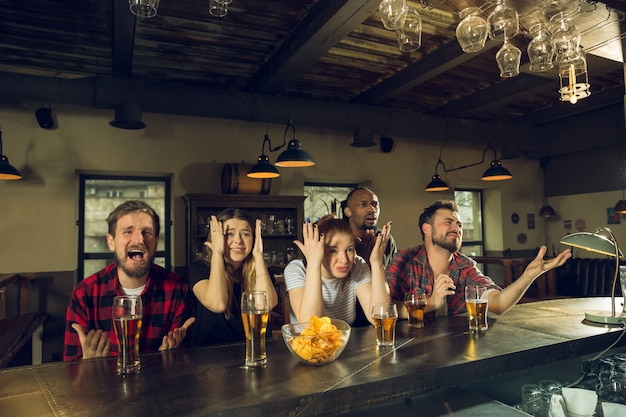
[[319, 342]]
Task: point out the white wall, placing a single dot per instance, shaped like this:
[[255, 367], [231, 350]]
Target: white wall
[[38, 217]]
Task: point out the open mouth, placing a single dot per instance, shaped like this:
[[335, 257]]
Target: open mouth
[[136, 254]]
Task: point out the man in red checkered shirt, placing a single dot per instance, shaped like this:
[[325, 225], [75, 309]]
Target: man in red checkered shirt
[[443, 272], [132, 237]]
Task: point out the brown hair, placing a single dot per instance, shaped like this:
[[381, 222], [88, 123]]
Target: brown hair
[[429, 212], [246, 273], [329, 225], [133, 206]]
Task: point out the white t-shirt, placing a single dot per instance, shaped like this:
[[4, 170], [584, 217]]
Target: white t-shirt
[[338, 295]]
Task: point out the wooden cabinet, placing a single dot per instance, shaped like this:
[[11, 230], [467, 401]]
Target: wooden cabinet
[[282, 218]]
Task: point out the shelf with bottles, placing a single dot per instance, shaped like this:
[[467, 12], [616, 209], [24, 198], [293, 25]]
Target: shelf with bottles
[[279, 215]]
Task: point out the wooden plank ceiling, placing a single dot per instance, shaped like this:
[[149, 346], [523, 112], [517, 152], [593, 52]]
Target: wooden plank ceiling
[[325, 50]]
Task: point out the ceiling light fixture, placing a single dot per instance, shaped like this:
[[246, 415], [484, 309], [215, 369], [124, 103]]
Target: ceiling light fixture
[[495, 172], [294, 156], [7, 171], [127, 116], [598, 243], [263, 167]]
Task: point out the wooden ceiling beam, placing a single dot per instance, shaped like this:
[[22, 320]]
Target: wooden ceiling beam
[[321, 29]]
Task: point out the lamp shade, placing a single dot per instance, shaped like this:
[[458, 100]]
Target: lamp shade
[[437, 184], [263, 169], [8, 171], [496, 172], [294, 156], [547, 211], [595, 242], [592, 242], [128, 116], [620, 207]]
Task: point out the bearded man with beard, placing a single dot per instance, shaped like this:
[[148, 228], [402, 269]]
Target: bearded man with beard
[[361, 209], [133, 237], [443, 272]]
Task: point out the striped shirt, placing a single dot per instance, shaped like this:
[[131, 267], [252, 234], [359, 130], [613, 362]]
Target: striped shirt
[[165, 307], [338, 295]]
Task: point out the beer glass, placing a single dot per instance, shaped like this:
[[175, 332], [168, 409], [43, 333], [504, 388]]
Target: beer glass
[[255, 315], [127, 319], [385, 317], [415, 303], [476, 302]]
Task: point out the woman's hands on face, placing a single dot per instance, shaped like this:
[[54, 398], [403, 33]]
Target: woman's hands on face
[[217, 239], [313, 246]]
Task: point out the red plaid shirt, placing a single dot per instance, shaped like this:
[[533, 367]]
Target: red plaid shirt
[[410, 270], [165, 307]]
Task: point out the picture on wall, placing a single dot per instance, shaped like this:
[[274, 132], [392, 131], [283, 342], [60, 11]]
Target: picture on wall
[[612, 217]]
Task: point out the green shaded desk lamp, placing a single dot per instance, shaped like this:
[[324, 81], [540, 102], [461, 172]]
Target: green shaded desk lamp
[[598, 243]]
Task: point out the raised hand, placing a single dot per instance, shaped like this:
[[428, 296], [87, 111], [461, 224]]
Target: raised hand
[[380, 244], [217, 240], [313, 246], [257, 249], [539, 265], [95, 343], [365, 244], [174, 338]]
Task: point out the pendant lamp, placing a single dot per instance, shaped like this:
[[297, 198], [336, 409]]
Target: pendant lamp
[[294, 156], [7, 171]]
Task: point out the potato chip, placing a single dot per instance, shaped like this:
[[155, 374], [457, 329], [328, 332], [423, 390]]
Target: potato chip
[[319, 342]]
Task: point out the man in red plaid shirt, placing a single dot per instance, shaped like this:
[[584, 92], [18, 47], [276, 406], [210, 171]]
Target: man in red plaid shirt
[[132, 237], [443, 272]]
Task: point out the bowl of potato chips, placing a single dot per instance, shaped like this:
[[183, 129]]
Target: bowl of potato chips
[[317, 342]]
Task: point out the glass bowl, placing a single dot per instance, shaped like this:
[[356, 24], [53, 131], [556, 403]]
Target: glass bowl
[[316, 349]]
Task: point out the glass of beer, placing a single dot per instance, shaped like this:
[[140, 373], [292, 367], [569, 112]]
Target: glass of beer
[[127, 319], [385, 317], [415, 303], [476, 302], [255, 315]]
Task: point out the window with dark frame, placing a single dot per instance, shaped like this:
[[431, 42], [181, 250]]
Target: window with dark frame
[[471, 213], [325, 198], [98, 196]]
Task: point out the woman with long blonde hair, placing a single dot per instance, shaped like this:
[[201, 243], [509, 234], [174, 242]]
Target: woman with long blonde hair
[[233, 263]]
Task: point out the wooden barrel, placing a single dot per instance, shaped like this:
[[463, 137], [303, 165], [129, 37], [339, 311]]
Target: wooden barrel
[[235, 180]]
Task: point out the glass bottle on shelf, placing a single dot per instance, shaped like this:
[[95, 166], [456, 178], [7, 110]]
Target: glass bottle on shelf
[[289, 227], [281, 227], [270, 225], [263, 219], [201, 229]]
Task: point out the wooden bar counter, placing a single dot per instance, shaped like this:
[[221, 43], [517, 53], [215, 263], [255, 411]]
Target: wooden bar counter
[[212, 381]]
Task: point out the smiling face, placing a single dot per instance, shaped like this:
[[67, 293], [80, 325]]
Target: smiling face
[[239, 241], [447, 230], [134, 244], [339, 255]]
